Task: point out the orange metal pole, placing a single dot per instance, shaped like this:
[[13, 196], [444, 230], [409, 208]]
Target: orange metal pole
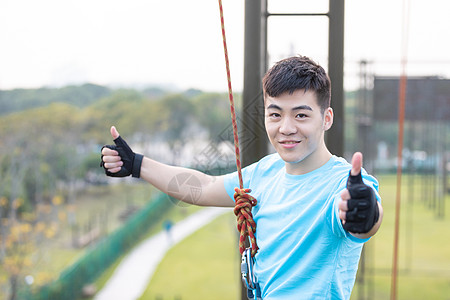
[[401, 121]]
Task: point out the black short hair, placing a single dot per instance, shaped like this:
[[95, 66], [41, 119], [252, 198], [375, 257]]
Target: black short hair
[[298, 73]]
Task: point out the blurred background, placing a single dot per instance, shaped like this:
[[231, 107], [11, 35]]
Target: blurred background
[[155, 69]]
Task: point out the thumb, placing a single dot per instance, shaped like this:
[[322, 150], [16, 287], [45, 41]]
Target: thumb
[[114, 133], [357, 161], [355, 177]]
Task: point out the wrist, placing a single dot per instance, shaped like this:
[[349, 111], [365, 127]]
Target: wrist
[[137, 163]]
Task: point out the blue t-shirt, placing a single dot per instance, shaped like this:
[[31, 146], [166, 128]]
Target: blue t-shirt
[[305, 253]]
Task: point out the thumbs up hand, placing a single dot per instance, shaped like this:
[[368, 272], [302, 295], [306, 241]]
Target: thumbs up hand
[[119, 160], [358, 207]]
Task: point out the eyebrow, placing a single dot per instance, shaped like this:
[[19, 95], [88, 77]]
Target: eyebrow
[[300, 107]]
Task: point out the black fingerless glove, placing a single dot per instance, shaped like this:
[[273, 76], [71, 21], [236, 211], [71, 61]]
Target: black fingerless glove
[[363, 210], [131, 161]]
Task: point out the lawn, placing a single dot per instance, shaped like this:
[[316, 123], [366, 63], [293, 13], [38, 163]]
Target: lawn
[[424, 247]]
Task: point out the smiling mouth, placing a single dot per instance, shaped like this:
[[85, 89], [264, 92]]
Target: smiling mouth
[[289, 144]]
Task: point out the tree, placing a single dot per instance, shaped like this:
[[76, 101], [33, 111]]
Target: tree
[[178, 121], [212, 110], [21, 238]]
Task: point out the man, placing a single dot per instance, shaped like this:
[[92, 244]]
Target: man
[[312, 216]]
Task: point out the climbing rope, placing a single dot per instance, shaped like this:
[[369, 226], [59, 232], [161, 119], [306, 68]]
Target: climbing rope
[[244, 202]]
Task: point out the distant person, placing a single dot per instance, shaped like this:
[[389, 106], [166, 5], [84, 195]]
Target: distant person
[[168, 230], [314, 211]]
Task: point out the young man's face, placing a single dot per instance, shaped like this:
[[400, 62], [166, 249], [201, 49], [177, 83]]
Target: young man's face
[[295, 126]]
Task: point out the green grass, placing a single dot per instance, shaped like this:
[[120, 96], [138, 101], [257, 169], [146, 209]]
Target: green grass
[[424, 247], [203, 266]]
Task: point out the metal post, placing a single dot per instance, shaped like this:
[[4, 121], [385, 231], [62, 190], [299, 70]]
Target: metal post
[[335, 136], [254, 140], [265, 59]]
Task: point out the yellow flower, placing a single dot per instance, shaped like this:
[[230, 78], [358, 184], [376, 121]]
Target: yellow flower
[[49, 233], [17, 203], [40, 227], [3, 201], [25, 228], [57, 200], [62, 216]]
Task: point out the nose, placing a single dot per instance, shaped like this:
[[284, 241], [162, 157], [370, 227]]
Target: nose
[[287, 126]]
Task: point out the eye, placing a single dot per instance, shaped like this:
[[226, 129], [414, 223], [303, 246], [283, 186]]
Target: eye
[[274, 115], [301, 116]]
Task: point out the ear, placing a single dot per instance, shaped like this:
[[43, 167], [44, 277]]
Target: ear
[[328, 118]]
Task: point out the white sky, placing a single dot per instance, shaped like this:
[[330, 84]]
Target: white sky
[[178, 42]]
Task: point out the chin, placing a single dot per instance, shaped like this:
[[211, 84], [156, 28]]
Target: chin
[[292, 159]]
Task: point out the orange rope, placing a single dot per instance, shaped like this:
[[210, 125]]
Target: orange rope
[[244, 202]]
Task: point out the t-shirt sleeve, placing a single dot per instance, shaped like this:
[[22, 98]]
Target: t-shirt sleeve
[[231, 180]]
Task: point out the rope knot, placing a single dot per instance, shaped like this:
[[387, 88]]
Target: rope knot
[[246, 225]]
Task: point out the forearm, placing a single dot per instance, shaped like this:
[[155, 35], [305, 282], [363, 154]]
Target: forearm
[[184, 184]]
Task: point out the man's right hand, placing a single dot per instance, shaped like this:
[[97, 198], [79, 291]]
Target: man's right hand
[[119, 160]]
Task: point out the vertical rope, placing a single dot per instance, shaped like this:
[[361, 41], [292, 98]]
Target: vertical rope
[[401, 120], [244, 202], [230, 96]]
